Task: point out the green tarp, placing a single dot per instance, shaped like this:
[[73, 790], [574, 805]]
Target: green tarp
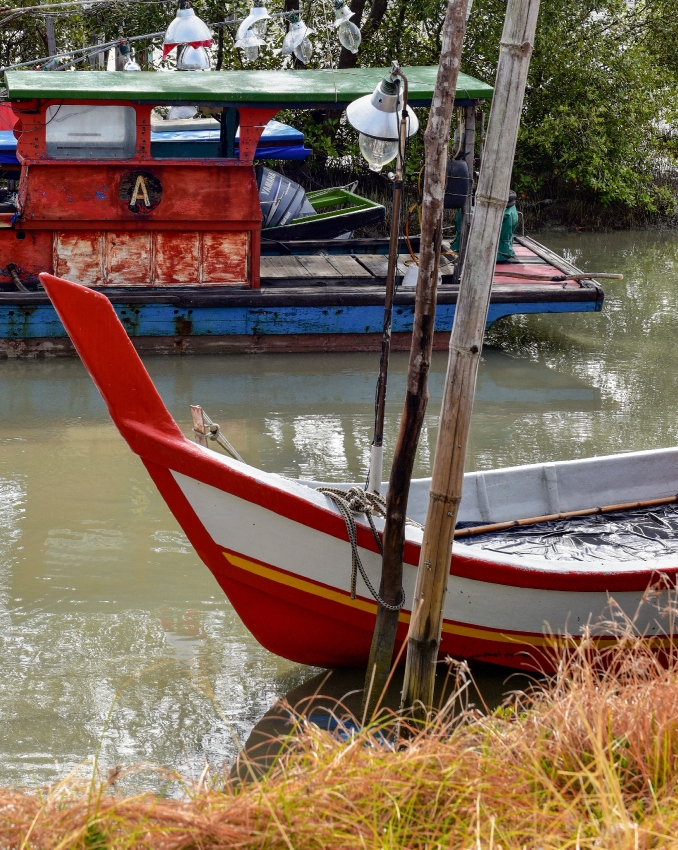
[[301, 88]]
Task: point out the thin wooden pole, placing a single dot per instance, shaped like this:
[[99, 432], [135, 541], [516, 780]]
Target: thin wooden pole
[[464, 355], [436, 141], [469, 157], [377, 449], [565, 515]]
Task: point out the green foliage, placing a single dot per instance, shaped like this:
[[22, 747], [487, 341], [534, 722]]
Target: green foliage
[[601, 99], [598, 101]]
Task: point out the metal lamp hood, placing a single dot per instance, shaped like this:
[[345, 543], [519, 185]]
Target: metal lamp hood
[[186, 28], [377, 114], [258, 13]]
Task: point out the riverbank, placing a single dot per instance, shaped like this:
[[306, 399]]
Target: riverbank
[[588, 759], [561, 206]]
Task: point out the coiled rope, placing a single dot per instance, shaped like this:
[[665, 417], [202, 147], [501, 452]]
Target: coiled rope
[[356, 500]]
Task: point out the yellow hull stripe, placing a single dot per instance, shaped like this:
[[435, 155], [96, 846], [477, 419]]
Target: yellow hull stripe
[[476, 632]]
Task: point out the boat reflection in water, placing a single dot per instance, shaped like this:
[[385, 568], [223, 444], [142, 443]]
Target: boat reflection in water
[[332, 700]]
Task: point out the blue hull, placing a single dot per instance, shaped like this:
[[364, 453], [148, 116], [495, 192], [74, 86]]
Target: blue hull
[[165, 320]]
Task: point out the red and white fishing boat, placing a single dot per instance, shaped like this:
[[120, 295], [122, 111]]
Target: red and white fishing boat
[[281, 553]]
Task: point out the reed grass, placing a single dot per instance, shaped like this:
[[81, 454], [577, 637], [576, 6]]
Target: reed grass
[[588, 758]]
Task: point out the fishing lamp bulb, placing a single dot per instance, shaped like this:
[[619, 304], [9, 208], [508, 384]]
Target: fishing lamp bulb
[[186, 28], [304, 52], [349, 36], [348, 32], [295, 37], [377, 118], [249, 44], [193, 59], [132, 65], [377, 152], [256, 21]]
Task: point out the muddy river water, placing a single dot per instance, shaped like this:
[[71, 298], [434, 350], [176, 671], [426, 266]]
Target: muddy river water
[[114, 638]]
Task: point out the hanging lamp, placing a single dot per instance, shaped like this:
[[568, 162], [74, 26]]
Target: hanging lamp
[[186, 28]]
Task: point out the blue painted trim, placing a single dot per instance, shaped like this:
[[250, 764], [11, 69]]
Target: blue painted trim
[[165, 320]]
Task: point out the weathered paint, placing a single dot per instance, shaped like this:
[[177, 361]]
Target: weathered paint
[[165, 320], [283, 88], [30, 251], [73, 195], [152, 258]]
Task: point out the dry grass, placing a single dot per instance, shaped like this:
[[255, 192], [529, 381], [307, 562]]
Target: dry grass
[[588, 760]]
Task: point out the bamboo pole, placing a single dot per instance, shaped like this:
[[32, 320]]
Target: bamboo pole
[[435, 143], [464, 353]]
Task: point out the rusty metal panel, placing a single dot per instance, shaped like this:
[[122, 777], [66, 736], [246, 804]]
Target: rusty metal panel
[[127, 258], [31, 252], [78, 256], [176, 257], [225, 256]]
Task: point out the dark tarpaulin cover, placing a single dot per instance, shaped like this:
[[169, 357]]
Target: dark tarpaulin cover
[[638, 535]]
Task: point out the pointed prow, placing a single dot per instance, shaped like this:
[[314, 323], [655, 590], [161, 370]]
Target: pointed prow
[[109, 356]]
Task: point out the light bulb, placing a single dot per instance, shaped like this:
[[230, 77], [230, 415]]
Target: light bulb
[[193, 59], [259, 27], [295, 35], [377, 152], [249, 44], [349, 36], [256, 22], [132, 65], [304, 51]]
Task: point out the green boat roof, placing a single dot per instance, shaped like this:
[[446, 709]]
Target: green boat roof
[[300, 88]]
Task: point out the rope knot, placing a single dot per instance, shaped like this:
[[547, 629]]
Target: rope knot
[[356, 500]]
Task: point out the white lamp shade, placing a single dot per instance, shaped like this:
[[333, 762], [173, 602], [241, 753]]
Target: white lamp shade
[[257, 13], [378, 115], [186, 28], [341, 15]]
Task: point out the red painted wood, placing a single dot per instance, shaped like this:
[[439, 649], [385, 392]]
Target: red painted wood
[[7, 117], [90, 194], [152, 258], [252, 124]]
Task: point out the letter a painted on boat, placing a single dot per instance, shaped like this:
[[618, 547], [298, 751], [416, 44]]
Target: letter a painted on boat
[[136, 194]]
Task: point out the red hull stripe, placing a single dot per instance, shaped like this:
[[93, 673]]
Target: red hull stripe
[[450, 627]]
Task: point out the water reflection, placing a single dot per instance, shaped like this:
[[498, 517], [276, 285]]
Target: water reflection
[[113, 634]]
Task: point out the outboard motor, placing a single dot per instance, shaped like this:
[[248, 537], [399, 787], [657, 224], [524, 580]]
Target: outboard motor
[[281, 198]]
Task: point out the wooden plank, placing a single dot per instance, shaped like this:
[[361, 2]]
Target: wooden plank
[[348, 266], [317, 266], [224, 256], [554, 259], [377, 264], [282, 267]]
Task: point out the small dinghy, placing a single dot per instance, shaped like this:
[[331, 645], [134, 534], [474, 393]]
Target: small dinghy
[[281, 551]]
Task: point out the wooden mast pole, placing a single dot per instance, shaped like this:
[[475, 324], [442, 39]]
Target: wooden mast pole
[[377, 449], [464, 353], [436, 143]]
